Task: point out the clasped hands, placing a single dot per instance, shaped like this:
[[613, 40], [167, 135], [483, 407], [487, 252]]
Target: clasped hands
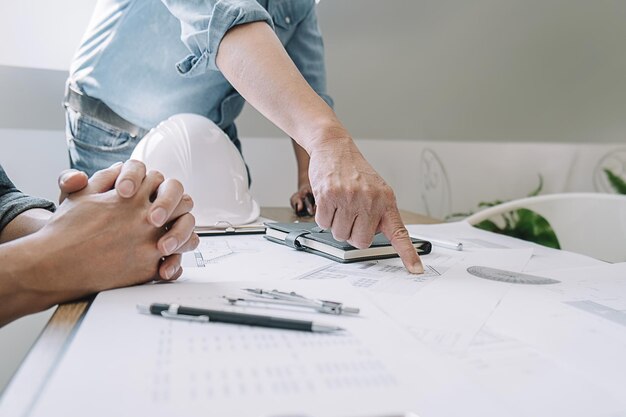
[[147, 228]]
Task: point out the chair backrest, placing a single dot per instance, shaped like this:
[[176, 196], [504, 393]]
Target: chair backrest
[[593, 224]]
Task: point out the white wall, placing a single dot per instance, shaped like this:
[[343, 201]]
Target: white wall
[[40, 33]]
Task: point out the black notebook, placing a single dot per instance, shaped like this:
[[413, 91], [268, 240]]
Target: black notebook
[[309, 237]]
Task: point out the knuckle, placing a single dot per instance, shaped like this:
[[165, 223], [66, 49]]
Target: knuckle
[[195, 241], [155, 176], [388, 194], [358, 243], [322, 224], [400, 233], [340, 235], [366, 241], [192, 219], [187, 202], [167, 201], [135, 165], [159, 177], [362, 239], [176, 184]]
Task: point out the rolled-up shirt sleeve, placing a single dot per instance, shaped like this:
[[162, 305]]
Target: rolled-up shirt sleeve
[[203, 25], [13, 202]]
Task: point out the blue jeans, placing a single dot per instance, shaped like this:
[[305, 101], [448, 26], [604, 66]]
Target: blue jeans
[[94, 145]]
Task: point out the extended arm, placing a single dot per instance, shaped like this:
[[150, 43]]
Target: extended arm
[[237, 38], [352, 199]]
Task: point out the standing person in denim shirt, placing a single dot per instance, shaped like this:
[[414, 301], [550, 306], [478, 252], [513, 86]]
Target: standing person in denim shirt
[[141, 62]]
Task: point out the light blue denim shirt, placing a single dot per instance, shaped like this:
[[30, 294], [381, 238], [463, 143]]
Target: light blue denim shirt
[[150, 59]]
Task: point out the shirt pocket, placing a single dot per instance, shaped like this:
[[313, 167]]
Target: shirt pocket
[[287, 14]]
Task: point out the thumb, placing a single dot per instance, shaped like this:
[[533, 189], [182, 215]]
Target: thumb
[[71, 181], [392, 227], [103, 180]]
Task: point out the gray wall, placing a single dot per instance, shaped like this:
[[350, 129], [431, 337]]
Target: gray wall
[[495, 70]]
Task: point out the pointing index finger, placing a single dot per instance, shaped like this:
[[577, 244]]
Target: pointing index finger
[[393, 228]]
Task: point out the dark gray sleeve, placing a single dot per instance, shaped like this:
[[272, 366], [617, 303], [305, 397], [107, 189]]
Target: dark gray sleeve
[[13, 201]]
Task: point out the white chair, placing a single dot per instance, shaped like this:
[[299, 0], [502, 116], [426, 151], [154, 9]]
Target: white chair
[[592, 224]]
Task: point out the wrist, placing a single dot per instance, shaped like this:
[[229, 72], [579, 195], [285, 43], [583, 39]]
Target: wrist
[[27, 222], [303, 180], [327, 135], [47, 275], [24, 278]]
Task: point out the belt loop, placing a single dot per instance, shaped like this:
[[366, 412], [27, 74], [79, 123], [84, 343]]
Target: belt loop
[[93, 107]]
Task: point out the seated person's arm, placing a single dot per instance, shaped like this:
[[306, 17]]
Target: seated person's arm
[[20, 214], [97, 240], [24, 224]]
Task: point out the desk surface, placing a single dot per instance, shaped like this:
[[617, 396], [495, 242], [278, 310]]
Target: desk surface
[[40, 362]]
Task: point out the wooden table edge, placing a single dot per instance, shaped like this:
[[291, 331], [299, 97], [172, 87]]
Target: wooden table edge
[[41, 360]]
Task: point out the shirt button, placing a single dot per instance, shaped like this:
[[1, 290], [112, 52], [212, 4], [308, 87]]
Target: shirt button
[[287, 20]]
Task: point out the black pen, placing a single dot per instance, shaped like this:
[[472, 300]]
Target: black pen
[[175, 311]]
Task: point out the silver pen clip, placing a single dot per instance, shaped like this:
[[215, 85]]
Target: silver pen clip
[[291, 299], [185, 317], [172, 313]]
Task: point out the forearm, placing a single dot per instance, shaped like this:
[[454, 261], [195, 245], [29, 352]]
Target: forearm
[[25, 224], [29, 278], [254, 61], [17, 297]]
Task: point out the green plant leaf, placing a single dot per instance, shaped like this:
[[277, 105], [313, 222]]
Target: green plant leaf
[[523, 223], [489, 226], [526, 225], [618, 184], [483, 204]]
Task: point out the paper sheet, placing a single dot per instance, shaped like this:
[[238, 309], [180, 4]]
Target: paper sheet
[[386, 275], [554, 350], [451, 310], [447, 343], [148, 365], [474, 239], [582, 322], [246, 258]]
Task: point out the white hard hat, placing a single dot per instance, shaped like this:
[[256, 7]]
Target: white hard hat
[[195, 151]]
